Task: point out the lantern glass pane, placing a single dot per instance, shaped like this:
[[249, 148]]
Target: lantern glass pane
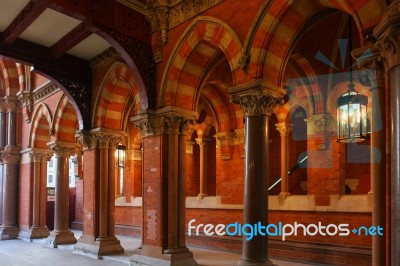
[[343, 123]]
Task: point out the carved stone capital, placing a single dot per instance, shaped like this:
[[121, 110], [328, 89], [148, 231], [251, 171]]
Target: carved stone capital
[[320, 123], [373, 72], [86, 139], [283, 129], [3, 106], [12, 104], [202, 142], [239, 135], [256, 98], [62, 149], [386, 33], [10, 155], [107, 138], [164, 121], [38, 155]]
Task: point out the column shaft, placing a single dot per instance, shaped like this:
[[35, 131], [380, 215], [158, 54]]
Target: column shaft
[[103, 193], [395, 164], [173, 192], [36, 194], [256, 175], [61, 212], [111, 192], [12, 128], [10, 195]]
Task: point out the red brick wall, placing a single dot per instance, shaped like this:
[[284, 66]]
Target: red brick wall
[[274, 155], [230, 176], [152, 184], [25, 195]]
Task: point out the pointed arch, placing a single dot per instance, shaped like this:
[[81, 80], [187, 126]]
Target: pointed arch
[[277, 24], [118, 91], [65, 121], [202, 41], [11, 78], [40, 127]]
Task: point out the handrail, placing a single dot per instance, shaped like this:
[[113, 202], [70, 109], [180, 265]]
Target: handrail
[[291, 170]]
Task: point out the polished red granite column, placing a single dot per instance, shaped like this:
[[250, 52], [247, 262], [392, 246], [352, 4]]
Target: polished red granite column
[[2, 145], [61, 233], [257, 102], [386, 33], [10, 157], [38, 229]]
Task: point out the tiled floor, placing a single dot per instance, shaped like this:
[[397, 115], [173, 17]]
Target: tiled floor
[[22, 253]]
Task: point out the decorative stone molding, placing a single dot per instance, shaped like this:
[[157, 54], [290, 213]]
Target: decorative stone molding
[[244, 61], [159, 19], [188, 9], [283, 128], [44, 91], [62, 149], [26, 102], [256, 98], [105, 58]]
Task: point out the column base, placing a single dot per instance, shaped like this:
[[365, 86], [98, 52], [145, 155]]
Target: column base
[[282, 197], [9, 232], [61, 238], [34, 233], [243, 262], [98, 248], [201, 195], [153, 256]]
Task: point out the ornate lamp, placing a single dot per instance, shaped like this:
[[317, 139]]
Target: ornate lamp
[[352, 116], [352, 110], [121, 156]]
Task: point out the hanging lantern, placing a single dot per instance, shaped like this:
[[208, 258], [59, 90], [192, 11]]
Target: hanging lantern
[[352, 116], [121, 155]]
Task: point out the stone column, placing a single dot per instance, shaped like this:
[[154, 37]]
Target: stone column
[[9, 228], [98, 236], [38, 227], [257, 102], [386, 33], [10, 156], [164, 146], [284, 130], [203, 166], [374, 77], [61, 233], [2, 145]]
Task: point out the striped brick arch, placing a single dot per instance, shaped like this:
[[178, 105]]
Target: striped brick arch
[[204, 40], [65, 121], [279, 22], [10, 75], [117, 93], [40, 127]]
